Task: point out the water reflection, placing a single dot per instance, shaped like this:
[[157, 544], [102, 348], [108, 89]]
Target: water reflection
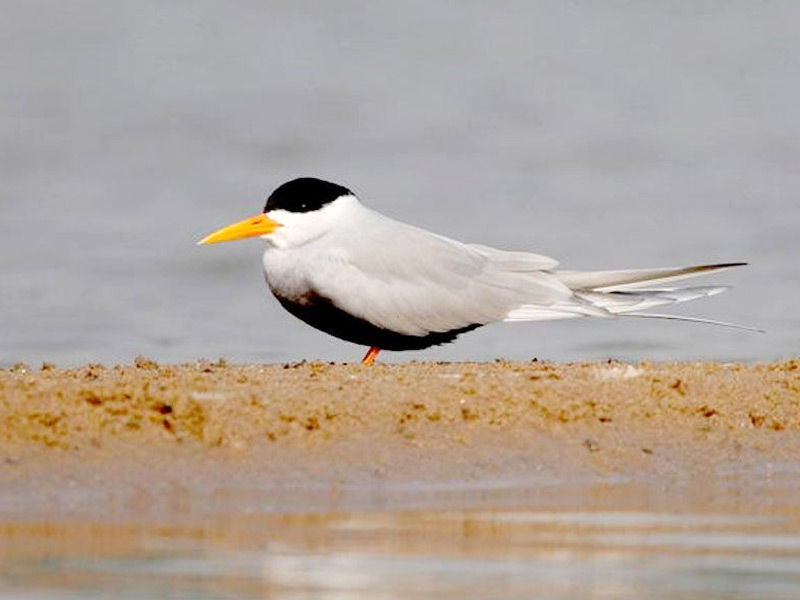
[[440, 554]]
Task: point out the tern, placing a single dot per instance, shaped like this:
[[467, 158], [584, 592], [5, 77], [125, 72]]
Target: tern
[[368, 279]]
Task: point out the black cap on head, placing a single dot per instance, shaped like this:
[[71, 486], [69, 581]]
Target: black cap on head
[[304, 195]]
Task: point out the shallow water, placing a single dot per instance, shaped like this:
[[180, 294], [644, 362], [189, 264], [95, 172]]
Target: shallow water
[[438, 554], [732, 535], [617, 136]]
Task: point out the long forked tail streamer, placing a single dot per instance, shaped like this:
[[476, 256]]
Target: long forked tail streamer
[[692, 320]]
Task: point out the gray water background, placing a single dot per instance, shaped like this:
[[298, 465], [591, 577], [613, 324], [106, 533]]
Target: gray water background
[[608, 135]]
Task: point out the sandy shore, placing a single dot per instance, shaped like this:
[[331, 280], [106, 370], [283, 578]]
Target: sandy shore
[[152, 437]]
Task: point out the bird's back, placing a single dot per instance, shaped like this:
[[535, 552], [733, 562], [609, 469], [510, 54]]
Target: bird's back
[[409, 280]]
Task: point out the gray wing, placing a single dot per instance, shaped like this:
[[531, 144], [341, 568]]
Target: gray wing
[[411, 281], [516, 261]]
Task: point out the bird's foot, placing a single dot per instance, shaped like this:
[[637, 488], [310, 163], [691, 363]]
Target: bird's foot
[[369, 357]]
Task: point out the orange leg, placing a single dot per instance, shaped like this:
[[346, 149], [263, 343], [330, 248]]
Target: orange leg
[[369, 357]]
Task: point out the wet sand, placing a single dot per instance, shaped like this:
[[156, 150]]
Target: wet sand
[[494, 480], [151, 439]]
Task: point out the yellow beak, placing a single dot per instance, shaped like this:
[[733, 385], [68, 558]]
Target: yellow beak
[[256, 225]]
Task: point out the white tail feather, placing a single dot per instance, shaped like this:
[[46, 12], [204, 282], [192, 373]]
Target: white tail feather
[[600, 304], [620, 293], [535, 312], [623, 302], [694, 320]]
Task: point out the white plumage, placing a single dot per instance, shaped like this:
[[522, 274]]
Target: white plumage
[[366, 278], [411, 281]]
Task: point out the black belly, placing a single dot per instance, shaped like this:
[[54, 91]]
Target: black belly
[[321, 313]]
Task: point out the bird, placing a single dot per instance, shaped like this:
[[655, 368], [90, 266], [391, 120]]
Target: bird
[[366, 278]]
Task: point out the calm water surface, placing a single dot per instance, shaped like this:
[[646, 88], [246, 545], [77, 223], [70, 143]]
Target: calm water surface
[[729, 536], [494, 554], [620, 135]]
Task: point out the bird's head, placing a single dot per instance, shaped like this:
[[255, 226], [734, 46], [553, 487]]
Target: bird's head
[[295, 212]]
